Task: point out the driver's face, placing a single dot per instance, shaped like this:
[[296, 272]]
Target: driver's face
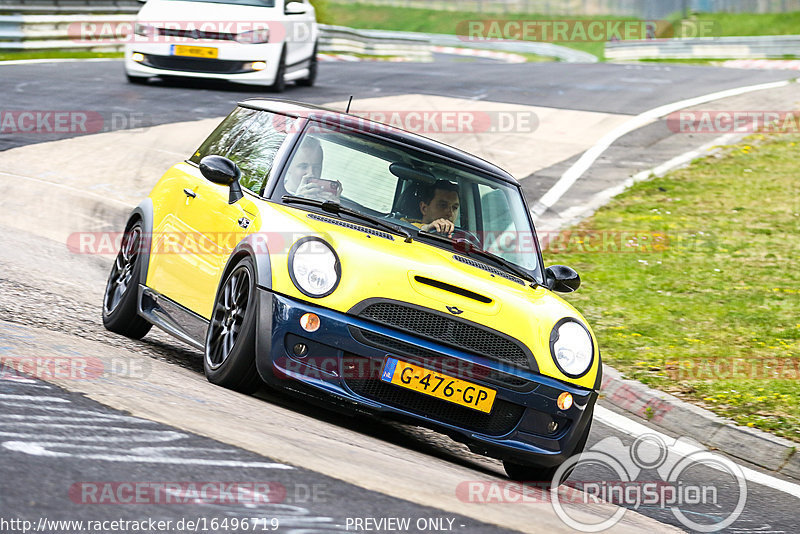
[[444, 205]]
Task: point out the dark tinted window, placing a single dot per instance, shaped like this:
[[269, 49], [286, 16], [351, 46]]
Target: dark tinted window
[[250, 139], [255, 149], [225, 136]]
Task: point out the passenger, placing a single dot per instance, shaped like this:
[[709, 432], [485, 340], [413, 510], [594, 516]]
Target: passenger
[[303, 177]]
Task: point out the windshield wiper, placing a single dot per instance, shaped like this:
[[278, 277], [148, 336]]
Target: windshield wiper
[[469, 249], [337, 209]]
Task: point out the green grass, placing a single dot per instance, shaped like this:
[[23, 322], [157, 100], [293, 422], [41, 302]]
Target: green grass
[[430, 21], [715, 283], [742, 24], [436, 21], [58, 54]]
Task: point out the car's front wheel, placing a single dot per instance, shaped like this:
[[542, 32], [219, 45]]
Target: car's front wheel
[[279, 85], [137, 80], [543, 475], [229, 359], [122, 289], [313, 66]]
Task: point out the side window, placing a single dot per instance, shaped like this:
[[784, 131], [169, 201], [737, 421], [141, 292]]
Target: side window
[[495, 209], [226, 134], [255, 149]]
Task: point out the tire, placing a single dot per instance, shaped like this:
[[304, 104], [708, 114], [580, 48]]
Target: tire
[[279, 85], [312, 71], [229, 359], [137, 80], [542, 475], [121, 296]]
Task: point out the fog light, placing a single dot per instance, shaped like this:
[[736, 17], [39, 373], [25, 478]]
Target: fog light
[[300, 350], [552, 426], [564, 401], [310, 323], [138, 57], [259, 65]]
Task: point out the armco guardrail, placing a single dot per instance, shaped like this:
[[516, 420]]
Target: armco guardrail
[[769, 46], [19, 7], [39, 32]]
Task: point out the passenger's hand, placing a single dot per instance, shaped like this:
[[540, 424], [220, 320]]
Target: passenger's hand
[[317, 192], [441, 226]]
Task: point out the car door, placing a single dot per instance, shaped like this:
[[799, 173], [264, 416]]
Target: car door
[[197, 238]]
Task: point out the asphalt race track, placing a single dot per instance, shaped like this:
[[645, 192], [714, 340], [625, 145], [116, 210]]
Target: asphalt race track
[[151, 418]]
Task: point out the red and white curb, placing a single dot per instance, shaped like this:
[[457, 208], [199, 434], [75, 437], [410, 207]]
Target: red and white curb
[[506, 57], [767, 64], [348, 57]]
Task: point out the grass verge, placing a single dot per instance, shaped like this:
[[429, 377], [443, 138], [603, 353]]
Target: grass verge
[[56, 54], [695, 288], [366, 16], [436, 21]]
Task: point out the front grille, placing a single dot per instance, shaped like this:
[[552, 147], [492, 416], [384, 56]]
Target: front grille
[[197, 34], [352, 226], [504, 417], [438, 362], [195, 64], [443, 329]]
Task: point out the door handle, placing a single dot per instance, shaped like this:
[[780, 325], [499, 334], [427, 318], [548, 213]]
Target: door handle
[[189, 193]]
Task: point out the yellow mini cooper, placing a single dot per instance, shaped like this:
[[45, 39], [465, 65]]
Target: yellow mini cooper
[[368, 268]]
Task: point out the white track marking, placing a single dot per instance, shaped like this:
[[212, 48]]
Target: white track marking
[[577, 170], [635, 429], [37, 398], [575, 214]]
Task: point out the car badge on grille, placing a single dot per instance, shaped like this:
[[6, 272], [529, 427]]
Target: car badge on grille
[[244, 222], [454, 310]]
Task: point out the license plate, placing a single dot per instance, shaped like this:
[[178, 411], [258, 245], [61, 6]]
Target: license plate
[[421, 380], [194, 51]]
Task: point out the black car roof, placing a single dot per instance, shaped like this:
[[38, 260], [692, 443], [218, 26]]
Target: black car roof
[[338, 118]]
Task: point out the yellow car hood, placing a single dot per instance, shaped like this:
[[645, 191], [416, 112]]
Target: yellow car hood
[[375, 267]]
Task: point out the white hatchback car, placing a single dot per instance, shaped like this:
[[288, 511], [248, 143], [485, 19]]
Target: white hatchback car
[[257, 42]]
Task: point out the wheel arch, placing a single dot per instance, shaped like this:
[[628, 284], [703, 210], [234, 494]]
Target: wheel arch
[[144, 213], [255, 246]]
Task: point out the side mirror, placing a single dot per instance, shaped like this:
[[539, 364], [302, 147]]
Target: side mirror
[[223, 171], [295, 8], [562, 279]]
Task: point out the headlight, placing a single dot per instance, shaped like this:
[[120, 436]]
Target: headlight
[[314, 267], [254, 36], [145, 30], [571, 347]]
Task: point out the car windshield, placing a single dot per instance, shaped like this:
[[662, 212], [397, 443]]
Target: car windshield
[[257, 3], [411, 188]]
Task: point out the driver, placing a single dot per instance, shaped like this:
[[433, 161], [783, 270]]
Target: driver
[[439, 207]]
